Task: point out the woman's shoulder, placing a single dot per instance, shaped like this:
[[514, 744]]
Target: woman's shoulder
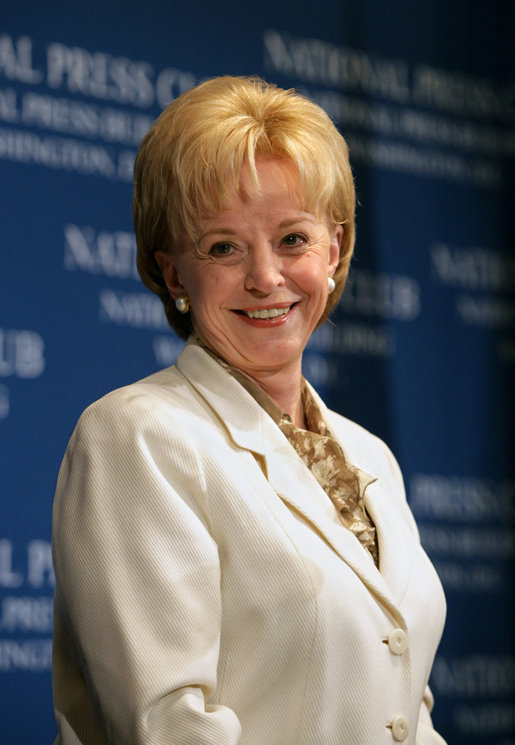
[[362, 448], [354, 435], [150, 401], [157, 385], [354, 431]]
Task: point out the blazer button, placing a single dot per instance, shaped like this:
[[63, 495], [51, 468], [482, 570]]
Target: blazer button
[[397, 641], [399, 727]]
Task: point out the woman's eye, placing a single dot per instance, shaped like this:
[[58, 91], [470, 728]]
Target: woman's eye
[[221, 249], [294, 240]]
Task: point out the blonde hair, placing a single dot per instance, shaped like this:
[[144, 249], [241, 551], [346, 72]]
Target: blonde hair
[[193, 156]]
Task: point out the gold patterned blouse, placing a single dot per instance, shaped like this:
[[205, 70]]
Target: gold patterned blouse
[[321, 453]]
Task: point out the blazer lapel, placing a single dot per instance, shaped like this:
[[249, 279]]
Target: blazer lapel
[[297, 486], [252, 429]]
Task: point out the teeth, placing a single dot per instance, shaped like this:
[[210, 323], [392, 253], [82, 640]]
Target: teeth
[[267, 312]]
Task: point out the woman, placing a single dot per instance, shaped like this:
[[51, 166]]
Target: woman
[[236, 563]]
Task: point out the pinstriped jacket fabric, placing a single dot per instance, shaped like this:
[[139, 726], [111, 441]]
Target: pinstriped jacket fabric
[[207, 592]]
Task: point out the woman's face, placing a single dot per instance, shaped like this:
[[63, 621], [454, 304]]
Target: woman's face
[[257, 277]]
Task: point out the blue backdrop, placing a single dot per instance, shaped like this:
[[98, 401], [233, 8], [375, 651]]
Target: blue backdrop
[[421, 350]]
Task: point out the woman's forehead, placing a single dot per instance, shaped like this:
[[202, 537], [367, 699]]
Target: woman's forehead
[[271, 177]]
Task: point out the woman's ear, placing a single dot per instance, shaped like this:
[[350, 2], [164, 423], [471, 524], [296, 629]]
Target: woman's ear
[[170, 274], [336, 236]]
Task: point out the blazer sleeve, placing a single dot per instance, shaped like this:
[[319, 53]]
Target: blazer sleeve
[[138, 583], [426, 734]]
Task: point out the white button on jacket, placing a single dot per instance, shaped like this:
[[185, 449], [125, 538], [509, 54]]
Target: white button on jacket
[[397, 641], [400, 728]]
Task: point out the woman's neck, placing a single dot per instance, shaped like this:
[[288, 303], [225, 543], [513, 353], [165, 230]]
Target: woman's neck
[[282, 386], [284, 389]]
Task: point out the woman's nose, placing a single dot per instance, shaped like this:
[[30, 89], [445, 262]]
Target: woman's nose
[[263, 270]]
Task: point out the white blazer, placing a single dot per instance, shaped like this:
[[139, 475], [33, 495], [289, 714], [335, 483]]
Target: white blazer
[[207, 592]]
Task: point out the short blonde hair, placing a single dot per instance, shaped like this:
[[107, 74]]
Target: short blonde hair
[[193, 156]]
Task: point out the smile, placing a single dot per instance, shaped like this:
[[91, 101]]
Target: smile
[[267, 312]]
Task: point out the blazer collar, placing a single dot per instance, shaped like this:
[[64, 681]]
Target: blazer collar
[[251, 428]]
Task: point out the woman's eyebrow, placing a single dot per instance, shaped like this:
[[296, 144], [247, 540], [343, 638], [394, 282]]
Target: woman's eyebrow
[[295, 220], [218, 231]]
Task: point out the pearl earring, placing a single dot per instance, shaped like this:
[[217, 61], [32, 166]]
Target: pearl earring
[[182, 303], [331, 284]]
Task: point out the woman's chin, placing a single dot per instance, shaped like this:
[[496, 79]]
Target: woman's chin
[[269, 356]]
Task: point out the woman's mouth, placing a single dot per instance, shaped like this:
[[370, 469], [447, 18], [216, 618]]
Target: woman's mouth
[[276, 314], [267, 312]]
